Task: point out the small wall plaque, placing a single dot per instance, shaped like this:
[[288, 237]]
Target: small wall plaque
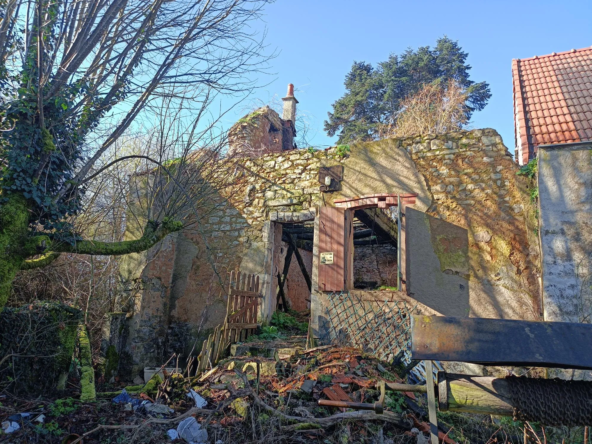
[[327, 258]]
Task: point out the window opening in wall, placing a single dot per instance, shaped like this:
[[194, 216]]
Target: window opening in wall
[[375, 248], [294, 278], [274, 134]]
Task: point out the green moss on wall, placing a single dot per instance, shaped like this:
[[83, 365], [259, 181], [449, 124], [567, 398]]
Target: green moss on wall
[[450, 257], [14, 221], [48, 145], [87, 380]]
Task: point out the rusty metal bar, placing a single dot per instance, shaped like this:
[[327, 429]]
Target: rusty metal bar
[[501, 342]]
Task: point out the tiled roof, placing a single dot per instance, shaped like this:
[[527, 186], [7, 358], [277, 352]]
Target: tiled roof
[[552, 99]]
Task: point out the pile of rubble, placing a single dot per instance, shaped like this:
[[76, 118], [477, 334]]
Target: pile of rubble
[[282, 382]]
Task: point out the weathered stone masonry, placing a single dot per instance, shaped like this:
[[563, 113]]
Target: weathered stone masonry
[[470, 240], [470, 247], [178, 291], [474, 183]]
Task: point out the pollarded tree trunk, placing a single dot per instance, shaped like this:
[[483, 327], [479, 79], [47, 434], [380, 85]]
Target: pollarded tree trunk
[[19, 250]]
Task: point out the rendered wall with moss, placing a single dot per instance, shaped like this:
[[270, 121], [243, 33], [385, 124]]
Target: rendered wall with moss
[[565, 202]]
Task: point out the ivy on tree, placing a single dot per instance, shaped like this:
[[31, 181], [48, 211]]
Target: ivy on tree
[[374, 94], [65, 70]]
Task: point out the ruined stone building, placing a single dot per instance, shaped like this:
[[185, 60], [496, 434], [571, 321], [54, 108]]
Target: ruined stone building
[[442, 223], [264, 132]]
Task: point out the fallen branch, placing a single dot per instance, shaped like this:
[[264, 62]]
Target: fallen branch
[[333, 364]]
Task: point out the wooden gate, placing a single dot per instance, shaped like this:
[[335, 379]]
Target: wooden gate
[[240, 321], [243, 304]]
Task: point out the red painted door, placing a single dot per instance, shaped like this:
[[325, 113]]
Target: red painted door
[[332, 273]]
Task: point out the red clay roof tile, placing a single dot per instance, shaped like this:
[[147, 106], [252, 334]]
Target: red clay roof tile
[[552, 92]]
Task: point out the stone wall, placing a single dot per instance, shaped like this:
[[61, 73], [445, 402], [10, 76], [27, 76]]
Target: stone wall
[[470, 243], [260, 132], [474, 185], [470, 239], [565, 201], [375, 266], [177, 290]]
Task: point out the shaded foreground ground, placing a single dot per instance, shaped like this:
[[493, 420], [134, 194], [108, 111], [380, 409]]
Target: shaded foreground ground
[[280, 406]]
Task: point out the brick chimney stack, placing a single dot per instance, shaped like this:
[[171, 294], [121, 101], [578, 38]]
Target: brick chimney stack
[[290, 105]]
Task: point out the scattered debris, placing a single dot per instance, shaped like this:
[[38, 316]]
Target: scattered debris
[[199, 401], [308, 385], [40, 418], [237, 401], [190, 430], [125, 398], [10, 426]]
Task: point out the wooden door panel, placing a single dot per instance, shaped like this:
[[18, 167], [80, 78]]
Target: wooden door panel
[[331, 240]]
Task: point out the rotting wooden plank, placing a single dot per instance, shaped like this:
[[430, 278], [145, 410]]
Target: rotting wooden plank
[[431, 402], [482, 395], [501, 342], [235, 292], [209, 352], [244, 325], [216, 345], [201, 358]]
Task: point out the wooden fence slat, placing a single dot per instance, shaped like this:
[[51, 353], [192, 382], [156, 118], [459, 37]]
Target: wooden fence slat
[[215, 345], [242, 307]]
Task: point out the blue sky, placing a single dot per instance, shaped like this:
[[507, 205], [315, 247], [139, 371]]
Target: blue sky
[[317, 41]]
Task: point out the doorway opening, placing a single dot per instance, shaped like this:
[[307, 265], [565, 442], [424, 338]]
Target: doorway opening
[[375, 259], [295, 268]]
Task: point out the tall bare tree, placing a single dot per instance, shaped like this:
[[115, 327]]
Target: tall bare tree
[[76, 76]]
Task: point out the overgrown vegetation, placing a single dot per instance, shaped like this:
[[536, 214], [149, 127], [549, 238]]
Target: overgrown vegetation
[[342, 150], [74, 79], [437, 108], [530, 171], [36, 346], [282, 326]]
